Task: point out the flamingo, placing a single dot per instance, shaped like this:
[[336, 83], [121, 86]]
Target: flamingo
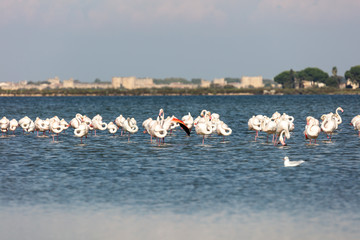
[[82, 130], [13, 125], [283, 128], [76, 121], [188, 120], [24, 123], [42, 125], [87, 120], [64, 124], [254, 123], [312, 129], [31, 127], [112, 128], [215, 119], [157, 129], [119, 121], [147, 126], [269, 126], [171, 123], [55, 126], [355, 122], [328, 124], [203, 126], [4, 125], [337, 116], [98, 124], [130, 126], [222, 129]]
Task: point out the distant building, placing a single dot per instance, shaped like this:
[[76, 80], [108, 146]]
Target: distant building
[[252, 82], [205, 83], [132, 82], [310, 84], [68, 83], [219, 82], [54, 81], [351, 84]]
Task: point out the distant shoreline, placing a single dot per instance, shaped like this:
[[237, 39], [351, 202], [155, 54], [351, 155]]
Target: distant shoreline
[[176, 92]]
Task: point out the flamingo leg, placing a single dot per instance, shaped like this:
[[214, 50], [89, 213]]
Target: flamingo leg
[[275, 142]]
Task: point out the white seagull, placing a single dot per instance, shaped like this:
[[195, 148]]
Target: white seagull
[[288, 163]]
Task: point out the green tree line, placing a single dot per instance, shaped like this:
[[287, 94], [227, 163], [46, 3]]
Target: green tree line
[[295, 79]]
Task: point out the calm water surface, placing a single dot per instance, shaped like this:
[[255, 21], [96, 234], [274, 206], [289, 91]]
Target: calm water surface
[[109, 188]]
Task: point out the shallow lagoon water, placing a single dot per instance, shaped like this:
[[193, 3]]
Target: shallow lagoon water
[[108, 187]]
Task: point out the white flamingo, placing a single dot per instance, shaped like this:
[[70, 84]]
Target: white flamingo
[[13, 125], [328, 124], [269, 126], [312, 128], [215, 119], [64, 124], [55, 127], [130, 126], [87, 120], [147, 126], [4, 125], [31, 127], [223, 130], [204, 126], [119, 121], [82, 130], [254, 123], [42, 125], [98, 124], [76, 121], [112, 128], [157, 129], [355, 122], [283, 128], [338, 117], [188, 120], [24, 123]]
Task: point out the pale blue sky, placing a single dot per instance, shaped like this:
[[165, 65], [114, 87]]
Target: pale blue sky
[[88, 39]]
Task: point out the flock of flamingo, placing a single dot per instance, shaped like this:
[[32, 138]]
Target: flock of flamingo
[[280, 126], [205, 124]]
